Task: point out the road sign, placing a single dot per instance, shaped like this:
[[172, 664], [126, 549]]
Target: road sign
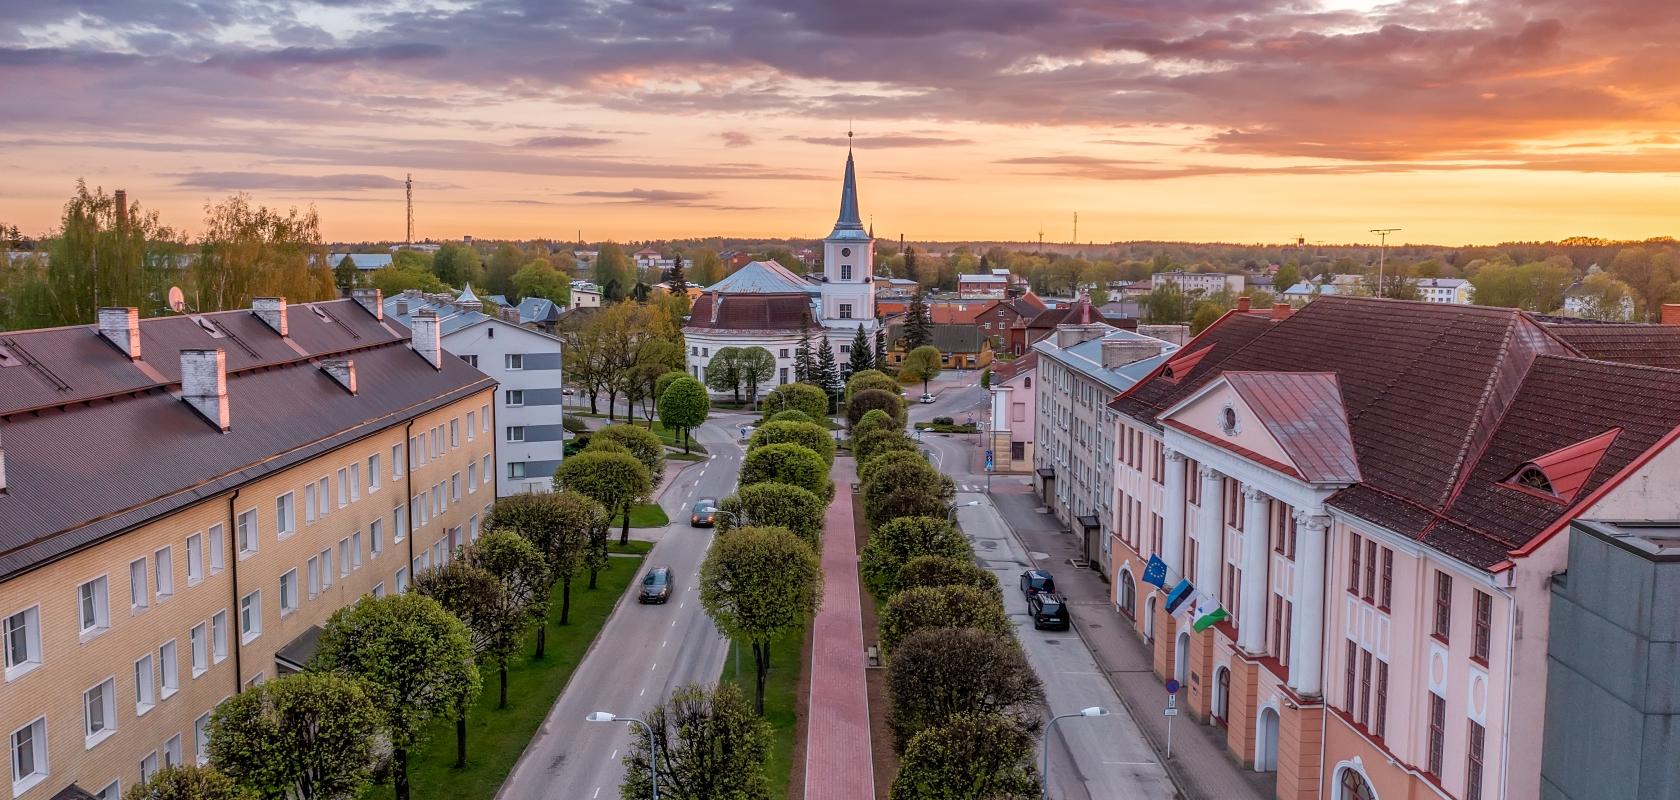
[[988, 461], [1172, 687]]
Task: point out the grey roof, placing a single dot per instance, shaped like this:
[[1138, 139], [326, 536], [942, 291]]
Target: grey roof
[[1441, 283], [467, 296], [362, 260], [451, 317], [956, 338], [849, 225], [982, 277], [763, 277], [538, 310], [1304, 288], [1086, 358]]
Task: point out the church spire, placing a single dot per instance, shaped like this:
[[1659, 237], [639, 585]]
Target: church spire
[[849, 220]]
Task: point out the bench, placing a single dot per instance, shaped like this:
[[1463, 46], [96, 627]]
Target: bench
[[873, 653]]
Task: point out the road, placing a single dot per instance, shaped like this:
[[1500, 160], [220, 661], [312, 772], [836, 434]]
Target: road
[[1090, 759], [643, 653]]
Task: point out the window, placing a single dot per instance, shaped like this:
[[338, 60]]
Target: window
[[1350, 678], [1437, 733], [470, 359], [784, 352], [437, 442], [355, 481], [326, 568], [148, 766], [288, 592], [356, 550], [169, 669], [217, 558], [514, 361], [484, 418], [376, 537], [516, 433], [195, 559], [417, 510], [246, 527], [379, 590], [455, 487], [1533, 478], [1379, 718], [99, 712], [472, 528], [1473, 767], [285, 515], [1356, 548], [172, 751], [1481, 639], [250, 617], [516, 470], [514, 397], [472, 425], [343, 488], [23, 641], [112, 791], [313, 567], [472, 477], [1364, 715], [1386, 593], [201, 739], [399, 523], [402, 579], [396, 461], [323, 495], [29, 756], [145, 685], [139, 588], [454, 433], [343, 557], [219, 636], [1443, 608], [199, 643], [845, 272], [1370, 571], [374, 476], [165, 564], [484, 469]]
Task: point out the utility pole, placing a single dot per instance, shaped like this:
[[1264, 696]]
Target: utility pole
[[1076, 229], [408, 186], [1382, 257]]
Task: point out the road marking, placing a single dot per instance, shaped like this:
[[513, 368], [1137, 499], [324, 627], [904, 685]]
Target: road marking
[[614, 756], [680, 605], [597, 792], [662, 644], [642, 692], [653, 666], [673, 623]]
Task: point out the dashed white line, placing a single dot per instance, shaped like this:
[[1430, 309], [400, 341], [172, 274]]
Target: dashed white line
[[653, 666], [614, 756], [597, 792], [662, 644], [642, 692]]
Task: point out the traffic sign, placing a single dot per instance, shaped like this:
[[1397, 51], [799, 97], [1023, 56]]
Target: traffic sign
[[988, 461], [1172, 686]]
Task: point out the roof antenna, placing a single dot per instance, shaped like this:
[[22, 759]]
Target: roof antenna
[[849, 122]]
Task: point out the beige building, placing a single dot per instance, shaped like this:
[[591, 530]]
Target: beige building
[[184, 501]]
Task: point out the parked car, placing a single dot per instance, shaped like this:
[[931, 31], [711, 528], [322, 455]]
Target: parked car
[[927, 398], [1049, 611], [1035, 581], [704, 513], [656, 586]]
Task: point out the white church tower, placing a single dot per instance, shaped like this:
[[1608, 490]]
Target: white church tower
[[848, 290]]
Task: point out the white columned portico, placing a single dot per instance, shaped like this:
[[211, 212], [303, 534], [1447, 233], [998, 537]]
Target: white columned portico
[[1306, 654], [1172, 518], [1257, 523], [1210, 530]]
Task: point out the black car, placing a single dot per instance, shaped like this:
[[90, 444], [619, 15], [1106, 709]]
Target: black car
[[1036, 581], [656, 585], [1049, 611], [704, 513]]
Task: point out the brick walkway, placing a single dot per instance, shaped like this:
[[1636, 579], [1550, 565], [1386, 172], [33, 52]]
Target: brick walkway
[[1199, 765], [837, 754]]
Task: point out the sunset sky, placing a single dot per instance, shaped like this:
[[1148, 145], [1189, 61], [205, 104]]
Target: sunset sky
[[1207, 120]]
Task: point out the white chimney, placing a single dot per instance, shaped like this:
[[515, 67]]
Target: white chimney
[[204, 384], [423, 327], [121, 326], [1119, 352], [371, 299], [342, 370], [1070, 335], [272, 311]]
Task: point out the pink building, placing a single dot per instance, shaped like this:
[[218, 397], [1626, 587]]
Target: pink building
[[1014, 413], [1370, 489]]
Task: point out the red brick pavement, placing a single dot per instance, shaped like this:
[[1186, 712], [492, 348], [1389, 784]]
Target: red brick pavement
[[837, 750]]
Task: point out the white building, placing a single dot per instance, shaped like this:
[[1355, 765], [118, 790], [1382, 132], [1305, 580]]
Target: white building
[[366, 262], [1454, 291], [1200, 282], [527, 416]]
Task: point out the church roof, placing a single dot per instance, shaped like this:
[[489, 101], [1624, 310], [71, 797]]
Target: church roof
[[762, 277], [849, 225], [770, 313]]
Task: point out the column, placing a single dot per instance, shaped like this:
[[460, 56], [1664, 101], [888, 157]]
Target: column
[[1210, 530], [1172, 518], [1257, 534], [1306, 661]]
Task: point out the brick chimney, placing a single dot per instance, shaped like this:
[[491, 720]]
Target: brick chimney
[[1671, 313], [1242, 304], [342, 371], [272, 311], [373, 300], [1120, 351], [121, 327], [121, 198], [1172, 334], [423, 327], [1281, 310], [204, 384], [1070, 335]]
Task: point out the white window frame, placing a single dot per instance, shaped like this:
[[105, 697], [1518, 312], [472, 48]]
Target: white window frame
[[355, 551], [38, 754], [219, 636], [484, 470], [344, 557], [285, 515], [145, 685], [343, 487], [513, 398], [402, 579], [516, 470], [201, 739], [323, 496], [250, 617], [484, 418], [139, 586], [309, 503], [169, 669], [375, 478], [378, 590], [314, 569], [112, 791], [472, 425], [399, 524], [515, 433], [29, 619], [455, 487], [218, 552], [376, 537], [454, 433], [472, 477], [248, 534], [289, 600], [172, 752], [398, 460], [198, 645], [355, 483], [163, 563], [326, 569], [107, 711], [148, 766], [513, 362], [195, 559]]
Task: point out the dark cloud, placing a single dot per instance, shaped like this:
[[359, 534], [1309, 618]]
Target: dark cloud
[[254, 181], [736, 139], [560, 142]]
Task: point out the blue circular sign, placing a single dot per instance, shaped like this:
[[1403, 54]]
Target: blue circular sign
[[1172, 687]]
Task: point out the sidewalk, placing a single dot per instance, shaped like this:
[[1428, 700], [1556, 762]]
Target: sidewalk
[[1199, 765], [838, 763]]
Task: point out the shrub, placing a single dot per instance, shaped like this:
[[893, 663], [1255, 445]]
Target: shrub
[[940, 607], [801, 397], [885, 456], [870, 379], [875, 399], [790, 415], [942, 570], [573, 425], [907, 488], [893, 544], [944, 421], [810, 435], [640, 442], [873, 420], [938, 673], [788, 463], [971, 757], [775, 504]]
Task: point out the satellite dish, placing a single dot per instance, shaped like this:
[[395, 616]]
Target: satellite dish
[[177, 301]]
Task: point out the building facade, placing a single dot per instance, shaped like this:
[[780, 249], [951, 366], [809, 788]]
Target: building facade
[[1203, 283], [1013, 421], [982, 285], [255, 471], [1453, 291]]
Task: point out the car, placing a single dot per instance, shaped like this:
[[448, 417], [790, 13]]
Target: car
[[927, 398], [1049, 611], [568, 391], [704, 513], [656, 586], [1034, 581]]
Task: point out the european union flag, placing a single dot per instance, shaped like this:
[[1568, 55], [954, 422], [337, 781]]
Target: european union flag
[[1156, 572], [1178, 595]]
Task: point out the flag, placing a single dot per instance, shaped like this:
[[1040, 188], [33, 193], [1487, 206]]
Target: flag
[[1156, 572], [1206, 612], [1178, 595]]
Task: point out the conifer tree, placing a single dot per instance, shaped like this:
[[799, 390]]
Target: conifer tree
[[917, 324], [675, 277], [804, 365], [862, 358], [827, 375], [881, 349]]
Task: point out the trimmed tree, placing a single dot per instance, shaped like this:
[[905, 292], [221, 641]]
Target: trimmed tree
[[894, 543], [940, 607], [874, 419], [757, 583], [522, 579], [187, 783], [305, 736], [797, 397], [938, 673], [939, 570], [971, 757], [907, 489], [789, 415], [922, 364], [710, 745], [723, 371], [684, 404], [415, 656], [867, 400], [788, 463], [472, 595], [756, 367], [615, 480], [774, 504], [874, 443], [557, 523], [640, 442], [664, 381], [809, 435], [883, 454], [870, 379]]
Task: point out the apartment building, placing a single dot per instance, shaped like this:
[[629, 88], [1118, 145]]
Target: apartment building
[[1453, 291], [1371, 490], [1200, 283], [1080, 368], [184, 501], [530, 440]]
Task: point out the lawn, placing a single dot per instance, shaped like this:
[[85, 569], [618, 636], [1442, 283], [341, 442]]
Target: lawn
[[674, 439], [636, 547], [496, 737], [781, 698], [646, 515]]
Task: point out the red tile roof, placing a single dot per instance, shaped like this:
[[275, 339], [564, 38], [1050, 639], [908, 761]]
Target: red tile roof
[[1651, 345]]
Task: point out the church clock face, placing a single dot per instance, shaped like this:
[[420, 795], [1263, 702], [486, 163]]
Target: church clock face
[[845, 251]]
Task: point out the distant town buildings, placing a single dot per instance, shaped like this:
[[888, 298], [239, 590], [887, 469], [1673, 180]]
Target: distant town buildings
[[1204, 283], [1453, 291]]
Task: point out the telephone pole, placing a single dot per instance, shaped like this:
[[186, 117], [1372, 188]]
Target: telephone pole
[[1382, 257], [1076, 228], [408, 186]]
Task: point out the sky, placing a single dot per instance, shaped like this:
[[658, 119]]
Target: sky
[[1457, 121]]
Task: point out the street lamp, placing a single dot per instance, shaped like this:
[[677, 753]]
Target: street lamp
[[1044, 770], [951, 513], [714, 510], [653, 743], [1382, 256]]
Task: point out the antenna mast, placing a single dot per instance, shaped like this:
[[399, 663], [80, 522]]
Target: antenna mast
[[408, 186], [1076, 228]]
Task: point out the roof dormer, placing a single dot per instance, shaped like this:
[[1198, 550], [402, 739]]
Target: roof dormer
[[1559, 475]]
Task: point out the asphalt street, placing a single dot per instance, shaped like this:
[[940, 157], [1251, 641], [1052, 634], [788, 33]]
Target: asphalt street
[[643, 653]]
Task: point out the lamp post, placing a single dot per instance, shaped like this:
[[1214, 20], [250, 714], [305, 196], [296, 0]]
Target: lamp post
[[1044, 769], [653, 743], [1382, 257], [951, 513]]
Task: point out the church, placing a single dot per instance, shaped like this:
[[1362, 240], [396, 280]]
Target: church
[[763, 304]]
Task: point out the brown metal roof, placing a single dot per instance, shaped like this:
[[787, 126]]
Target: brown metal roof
[[82, 470], [754, 312], [1303, 411]]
